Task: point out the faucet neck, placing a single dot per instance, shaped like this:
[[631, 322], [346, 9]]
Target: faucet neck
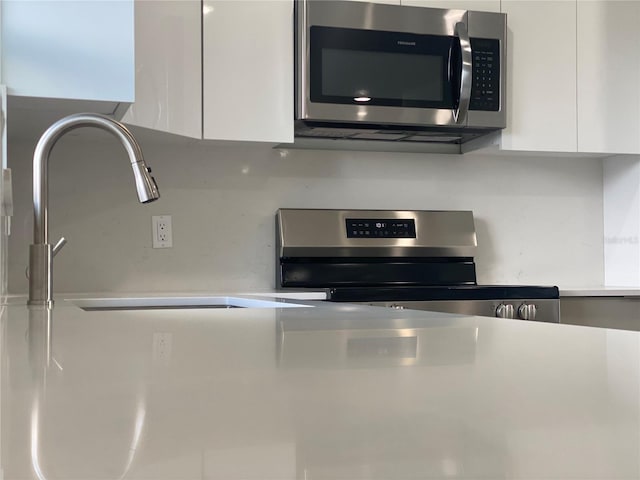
[[41, 192], [41, 162]]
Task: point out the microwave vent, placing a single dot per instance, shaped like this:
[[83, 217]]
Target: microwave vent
[[380, 136], [433, 138], [329, 132]]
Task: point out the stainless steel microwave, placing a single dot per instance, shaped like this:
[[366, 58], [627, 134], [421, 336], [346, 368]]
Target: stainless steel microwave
[[389, 72]]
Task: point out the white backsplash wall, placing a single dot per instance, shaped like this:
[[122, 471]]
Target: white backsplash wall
[[539, 220]]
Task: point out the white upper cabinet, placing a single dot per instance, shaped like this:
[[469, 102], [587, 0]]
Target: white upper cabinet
[[609, 76], [477, 5], [248, 70], [218, 69], [81, 50], [168, 46], [541, 76]]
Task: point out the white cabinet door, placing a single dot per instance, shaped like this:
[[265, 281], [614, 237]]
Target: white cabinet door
[[68, 50], [168, 94], [477, 5], [541, 76], [248, 70], [609, 76]]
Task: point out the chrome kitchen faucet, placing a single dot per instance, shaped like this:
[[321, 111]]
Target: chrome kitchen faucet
[[41, 252]]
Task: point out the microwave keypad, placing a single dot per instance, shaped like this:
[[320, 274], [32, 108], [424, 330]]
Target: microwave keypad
[[485, 85]]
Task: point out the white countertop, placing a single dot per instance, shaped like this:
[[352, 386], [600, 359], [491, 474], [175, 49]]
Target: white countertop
[[599, 291], [332, 392]]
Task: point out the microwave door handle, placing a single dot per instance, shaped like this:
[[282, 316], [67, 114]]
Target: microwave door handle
[[462, 34]]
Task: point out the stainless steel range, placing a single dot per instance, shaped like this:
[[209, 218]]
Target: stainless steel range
[[414, 259]]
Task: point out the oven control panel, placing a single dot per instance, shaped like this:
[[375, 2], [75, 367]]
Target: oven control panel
[[380, 228]]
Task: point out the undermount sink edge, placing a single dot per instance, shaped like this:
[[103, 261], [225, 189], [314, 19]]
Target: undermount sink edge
[[153, 303]]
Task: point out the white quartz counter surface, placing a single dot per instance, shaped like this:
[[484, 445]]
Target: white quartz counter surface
[[329, 392], [600, 291]]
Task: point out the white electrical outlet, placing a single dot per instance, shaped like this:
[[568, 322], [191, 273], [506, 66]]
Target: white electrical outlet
[[161, 231]]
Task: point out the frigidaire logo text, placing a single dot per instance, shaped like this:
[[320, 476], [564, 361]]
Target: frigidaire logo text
[[400, 42]]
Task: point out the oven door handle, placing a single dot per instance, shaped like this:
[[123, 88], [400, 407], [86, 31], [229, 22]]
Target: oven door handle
[[460, 114]]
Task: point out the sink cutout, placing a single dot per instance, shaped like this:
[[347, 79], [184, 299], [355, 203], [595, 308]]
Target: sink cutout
[[176, 303], [157, 307]]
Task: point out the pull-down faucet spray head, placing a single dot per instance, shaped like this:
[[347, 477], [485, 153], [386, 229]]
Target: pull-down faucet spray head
[[41, 252], [145, 183]]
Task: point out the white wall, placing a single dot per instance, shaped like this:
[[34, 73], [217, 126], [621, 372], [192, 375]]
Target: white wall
[[539, 220], [621, 205]]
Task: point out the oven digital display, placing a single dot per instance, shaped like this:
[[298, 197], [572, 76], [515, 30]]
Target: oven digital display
[[381, 228]]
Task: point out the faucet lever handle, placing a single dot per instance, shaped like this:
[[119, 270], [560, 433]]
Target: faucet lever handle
[[58, 246]]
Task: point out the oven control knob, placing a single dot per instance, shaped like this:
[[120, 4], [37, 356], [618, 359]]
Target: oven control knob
[[504, 310], [527, 311], [395, 306]]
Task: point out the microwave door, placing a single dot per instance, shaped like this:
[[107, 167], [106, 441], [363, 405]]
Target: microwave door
[[387, 77], [464, 74]]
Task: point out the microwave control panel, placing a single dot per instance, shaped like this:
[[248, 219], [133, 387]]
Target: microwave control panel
[[485, 85]]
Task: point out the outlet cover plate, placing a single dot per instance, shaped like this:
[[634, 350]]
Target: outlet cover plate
[[161, 231]]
